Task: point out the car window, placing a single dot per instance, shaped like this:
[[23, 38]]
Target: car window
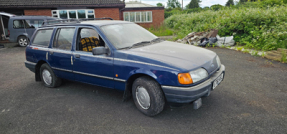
[[35, 23], [125, 35], [21, 24], [88, 39], [42, 37], [64, 38]]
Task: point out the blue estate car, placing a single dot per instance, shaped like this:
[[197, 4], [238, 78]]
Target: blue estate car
[[124, 56]]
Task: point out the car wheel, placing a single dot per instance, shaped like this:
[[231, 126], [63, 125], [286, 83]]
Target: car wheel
[[49, 79], [148, 96], [23, 41]]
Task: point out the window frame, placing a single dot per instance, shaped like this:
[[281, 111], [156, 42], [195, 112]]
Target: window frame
[[135, 16], [52, 36], [77, 41], [57, 14], [55, 37]]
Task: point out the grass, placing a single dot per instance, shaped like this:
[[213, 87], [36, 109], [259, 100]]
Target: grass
[[283, 58], [161, 31]]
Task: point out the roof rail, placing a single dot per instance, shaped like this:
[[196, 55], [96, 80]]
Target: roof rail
[[69, 21]]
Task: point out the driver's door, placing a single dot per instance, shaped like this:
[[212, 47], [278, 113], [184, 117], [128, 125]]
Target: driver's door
[[88, 68]]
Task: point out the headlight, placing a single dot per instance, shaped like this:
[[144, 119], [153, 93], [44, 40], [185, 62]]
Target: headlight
[[218, 61], [198, 75]]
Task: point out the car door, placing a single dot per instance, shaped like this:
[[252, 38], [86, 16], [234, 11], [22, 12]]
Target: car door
[[88, 68], [60, 55]]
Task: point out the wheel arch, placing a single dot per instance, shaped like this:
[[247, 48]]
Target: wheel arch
[[128, 89], [37, 70]]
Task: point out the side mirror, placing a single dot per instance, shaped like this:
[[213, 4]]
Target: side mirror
[[99, 51], [32, 26]]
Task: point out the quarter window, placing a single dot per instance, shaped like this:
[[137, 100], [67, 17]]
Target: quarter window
[[64, 38], [138, 16], [35, 23], [43, 37]]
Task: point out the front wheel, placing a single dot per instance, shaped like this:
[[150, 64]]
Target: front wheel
[[48, 77], [148, 96], [23, 41]]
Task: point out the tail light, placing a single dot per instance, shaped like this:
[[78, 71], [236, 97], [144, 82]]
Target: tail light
[[9, 33]]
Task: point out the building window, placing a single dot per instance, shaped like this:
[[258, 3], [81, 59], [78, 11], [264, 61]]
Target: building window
[[138, 16], [74, 14]]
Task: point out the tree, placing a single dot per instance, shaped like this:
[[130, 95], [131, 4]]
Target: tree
[[229, 3], [173, 4], [193, 4], [216, 7], [159, 4]]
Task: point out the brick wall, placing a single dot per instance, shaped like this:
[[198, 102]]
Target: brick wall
[[113, 13], [157, 18], [42, 12]]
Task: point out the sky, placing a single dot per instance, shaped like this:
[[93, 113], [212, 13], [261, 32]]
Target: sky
[[204, 3]]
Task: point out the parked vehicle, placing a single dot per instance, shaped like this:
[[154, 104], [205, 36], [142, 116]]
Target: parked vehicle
[[124, 56], [4, 19], [21, 28]]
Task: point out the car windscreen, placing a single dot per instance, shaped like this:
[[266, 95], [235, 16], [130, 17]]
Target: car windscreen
[[126, 35]]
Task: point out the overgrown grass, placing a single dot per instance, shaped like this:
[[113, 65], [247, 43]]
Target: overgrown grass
[[259, 28], [161, 31]]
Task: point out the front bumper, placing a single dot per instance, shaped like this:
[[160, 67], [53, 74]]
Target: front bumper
[[30, 65], [189, 94]]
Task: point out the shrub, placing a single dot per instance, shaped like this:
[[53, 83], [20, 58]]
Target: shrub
[[259, 28]]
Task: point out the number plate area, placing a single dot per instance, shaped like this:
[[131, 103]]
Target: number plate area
[[217, 81], [197, 104]]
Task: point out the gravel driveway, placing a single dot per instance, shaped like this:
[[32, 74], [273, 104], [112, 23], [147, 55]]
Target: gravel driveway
[[251, 99]]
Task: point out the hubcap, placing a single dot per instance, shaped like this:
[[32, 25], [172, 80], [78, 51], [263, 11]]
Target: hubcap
[[23, 42], [142, 97], [47, 77]]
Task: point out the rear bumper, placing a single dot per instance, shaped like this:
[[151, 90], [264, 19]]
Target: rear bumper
[[30, 65], [189, 94]]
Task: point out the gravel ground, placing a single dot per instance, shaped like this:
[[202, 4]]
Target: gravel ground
[[251, 99]]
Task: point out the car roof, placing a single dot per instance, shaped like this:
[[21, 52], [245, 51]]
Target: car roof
[[33, 17], [7, 14], [90, 22]]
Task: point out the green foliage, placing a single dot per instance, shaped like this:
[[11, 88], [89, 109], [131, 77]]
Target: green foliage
[[283, 58], [229, 3], [173, 4], [216, 7], [193, 4], [262, 27], [159, 4]]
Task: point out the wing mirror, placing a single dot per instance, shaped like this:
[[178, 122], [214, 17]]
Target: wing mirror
[[99, 51]]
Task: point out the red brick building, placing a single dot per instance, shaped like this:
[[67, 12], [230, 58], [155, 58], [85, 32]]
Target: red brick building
[[143, 14]]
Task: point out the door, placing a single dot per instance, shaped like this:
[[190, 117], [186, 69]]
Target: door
[[31, 26], [60, 55], [88, 68], [2, 32]]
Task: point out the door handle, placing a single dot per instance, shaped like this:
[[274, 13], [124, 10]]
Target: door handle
[[51, 52], [77, 55]]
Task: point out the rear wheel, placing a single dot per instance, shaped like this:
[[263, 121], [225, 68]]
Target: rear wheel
[[148, 96], [23, 41], [48, 77]]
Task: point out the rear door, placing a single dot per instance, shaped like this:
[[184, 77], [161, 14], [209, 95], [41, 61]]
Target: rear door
[[89, 68], [60, 55]]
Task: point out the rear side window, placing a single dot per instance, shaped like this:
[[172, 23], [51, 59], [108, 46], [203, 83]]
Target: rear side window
[[64, 38], [43, 37]]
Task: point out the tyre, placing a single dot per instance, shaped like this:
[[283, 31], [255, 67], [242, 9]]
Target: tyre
[[23, 41], [148, 96], [48, 78]]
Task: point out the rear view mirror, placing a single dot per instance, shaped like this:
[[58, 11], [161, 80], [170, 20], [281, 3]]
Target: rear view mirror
[[99, 51]]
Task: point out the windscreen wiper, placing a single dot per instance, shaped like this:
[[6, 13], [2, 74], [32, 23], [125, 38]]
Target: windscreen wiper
[[156, 39], [137, 44], [140, 43]]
